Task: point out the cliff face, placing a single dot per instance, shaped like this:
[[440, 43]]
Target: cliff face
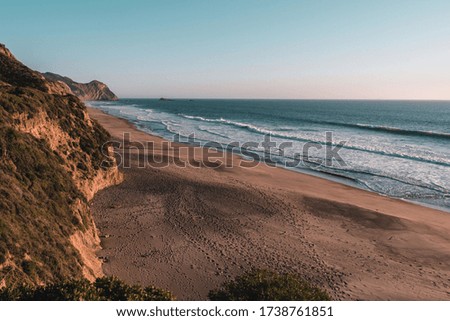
[[53, 158], [94, 90]]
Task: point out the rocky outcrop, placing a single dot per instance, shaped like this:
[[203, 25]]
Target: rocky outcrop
[[94, 90], [53, 158]]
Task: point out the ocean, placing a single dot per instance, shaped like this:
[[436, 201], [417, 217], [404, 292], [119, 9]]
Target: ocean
[[395, 148]]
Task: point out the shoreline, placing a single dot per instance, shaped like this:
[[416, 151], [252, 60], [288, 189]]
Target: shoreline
[[352, 242], [335, 178]]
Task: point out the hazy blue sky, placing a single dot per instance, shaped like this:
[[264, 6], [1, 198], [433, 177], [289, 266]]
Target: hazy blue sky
[[241, 49]]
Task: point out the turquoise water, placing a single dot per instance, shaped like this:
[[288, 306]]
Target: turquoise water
[[396, 148]]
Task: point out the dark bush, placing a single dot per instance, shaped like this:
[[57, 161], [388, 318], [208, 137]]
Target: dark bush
[[29, 267], [103, 289], [263, 285]]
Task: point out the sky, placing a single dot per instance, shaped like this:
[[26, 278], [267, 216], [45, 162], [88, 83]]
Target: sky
[[287, 49]]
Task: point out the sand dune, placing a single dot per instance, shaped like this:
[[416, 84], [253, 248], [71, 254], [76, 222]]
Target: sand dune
[[190, 229]]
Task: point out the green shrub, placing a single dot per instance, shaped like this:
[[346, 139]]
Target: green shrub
[[115, 290], [103, 289], [263, 285]]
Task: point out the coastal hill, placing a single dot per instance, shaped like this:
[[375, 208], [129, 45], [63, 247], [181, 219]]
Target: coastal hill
[[94, 90], [14, 73], [53, 159]]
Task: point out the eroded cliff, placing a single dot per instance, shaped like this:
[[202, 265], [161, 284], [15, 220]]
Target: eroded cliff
[[53, 158]]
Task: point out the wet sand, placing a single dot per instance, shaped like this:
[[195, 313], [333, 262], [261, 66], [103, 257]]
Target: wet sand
[[190, 229]]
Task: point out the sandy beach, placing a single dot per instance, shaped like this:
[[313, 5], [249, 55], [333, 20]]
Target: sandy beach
[[190, 229]]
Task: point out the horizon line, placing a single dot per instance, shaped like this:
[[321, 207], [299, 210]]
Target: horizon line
[[311, 99]]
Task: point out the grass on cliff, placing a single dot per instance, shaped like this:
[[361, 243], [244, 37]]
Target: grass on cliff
[[17, 74], [68, 112], [40, 206], [36, 212]]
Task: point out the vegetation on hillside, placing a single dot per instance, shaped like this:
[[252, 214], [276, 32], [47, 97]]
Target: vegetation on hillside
[[255, 285], [15, 73], [36, 195], [41, 206], [103, 289], [264, 285], [68, 113]]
